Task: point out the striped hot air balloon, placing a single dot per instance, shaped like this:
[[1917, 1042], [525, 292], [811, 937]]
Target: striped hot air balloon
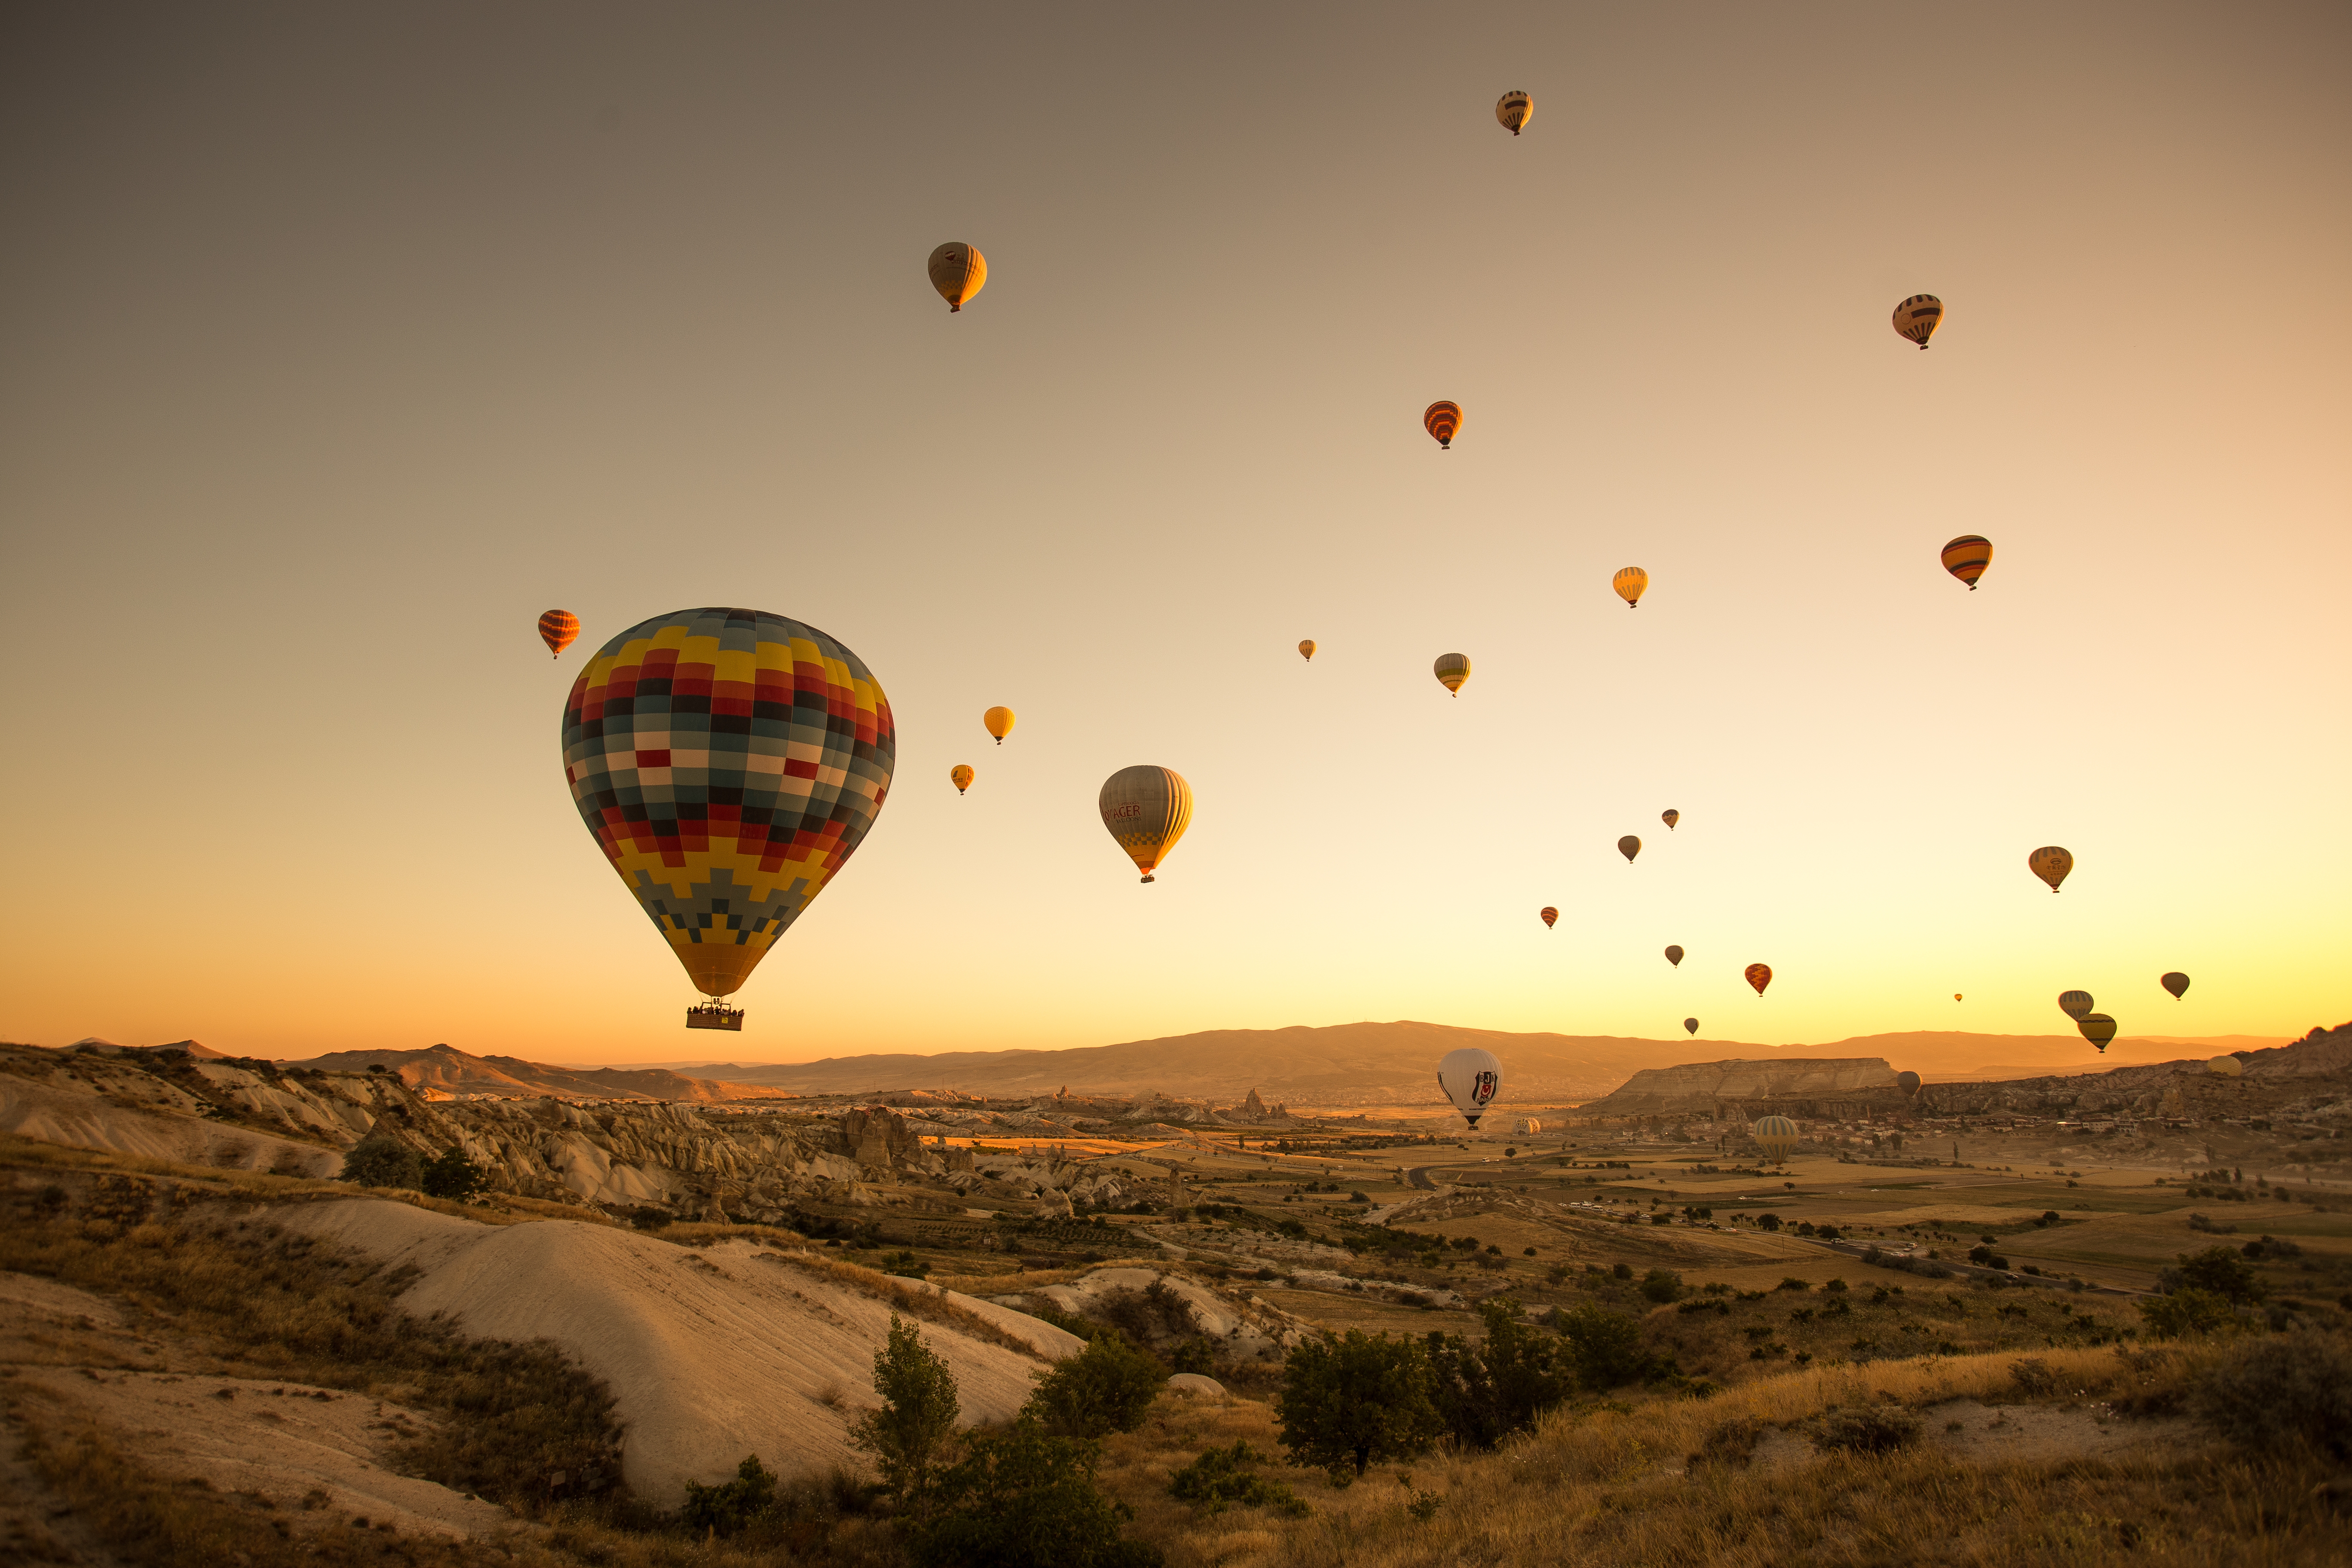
[[1759, 975], [1443, 420], [556, 629], [1513, 110], [958, 272], [1966, 558], [998, 721], [2076, 1005], [1452, 670], [2051, 864], [1547, 914], [1630, 583], [1918, 318], [1147, 809], [1307, 648], [1776, 1135], [961, 776], [2097, 1028]]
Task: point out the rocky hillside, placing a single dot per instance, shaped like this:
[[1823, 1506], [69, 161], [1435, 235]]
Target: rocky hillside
[[2310, 1080], [443, 1071], [1835, 1087]]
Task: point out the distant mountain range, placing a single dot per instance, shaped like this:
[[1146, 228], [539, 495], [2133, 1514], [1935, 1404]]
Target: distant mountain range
[[453, 1072]]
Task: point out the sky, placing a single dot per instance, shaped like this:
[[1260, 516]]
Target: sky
[[342, 341]]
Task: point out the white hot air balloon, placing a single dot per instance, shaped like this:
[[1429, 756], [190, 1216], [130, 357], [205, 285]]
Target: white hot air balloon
[[1470, 1079]]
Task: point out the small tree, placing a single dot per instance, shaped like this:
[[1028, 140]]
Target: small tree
[[380, 1160], [1356, 1398], [1025, 1498], [729, 1506], [1104, 1388], [2187, 1310], [909, 1435], [452, 1176], [2219, 1271], [1604, 1346], [1483, 1393]]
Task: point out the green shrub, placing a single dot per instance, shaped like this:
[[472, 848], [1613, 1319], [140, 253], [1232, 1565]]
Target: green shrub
[[1104, 1388], [1662, 1286], [2273, 1395], [1604, 1347], [1868, 1431], [1220, 1479], [380, 1160], [2187, 1311], [1353, 1398], [2219, 1270], [1484, 1393], [731, 1505], [452, 1176], [1193, 1355], [909, 1433], [1025, 1498]]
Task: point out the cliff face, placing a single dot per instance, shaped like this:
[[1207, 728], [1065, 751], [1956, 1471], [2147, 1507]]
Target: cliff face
[[1820, 1086], [2308, 1079]]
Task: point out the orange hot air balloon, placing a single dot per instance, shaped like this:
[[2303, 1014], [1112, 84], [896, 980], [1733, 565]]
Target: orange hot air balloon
[[1966, 558], [1513, 109], [1670, 817], [1919, 317], [1630, 582], [1550, 914], [1629, 846], [1956, 996], [1443, 420], [998, 721], [1307, 648], [1452, 669], [1759, 975], [961, 776], [2051, 864], [556, 629], [958, 272]]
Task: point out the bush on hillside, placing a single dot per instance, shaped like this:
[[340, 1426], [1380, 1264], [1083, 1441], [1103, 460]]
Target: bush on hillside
[[452, 1176], [1662, 1286], [1349, 1400], [1104, 1388], [381, 1161], [908, 1436], [731, 1505], [1025, 1498], [1483, 1394], [1871, 1430], [1220, 1478], [1604, 1347], [2272, 1394], [2187, 1311], [2221, 1270]]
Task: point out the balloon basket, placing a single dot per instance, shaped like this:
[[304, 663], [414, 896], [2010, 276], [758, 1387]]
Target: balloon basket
[[715, 1015]]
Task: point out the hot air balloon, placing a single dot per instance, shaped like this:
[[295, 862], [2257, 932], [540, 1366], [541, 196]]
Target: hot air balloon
[[1690, 1026], [1548, 915], [1470, 1079], [2175, 982], [2051, 864], [1919, 317], [1956, 996], [1759, 975], [961, 775], [2097, 1028], [1000, 723], [1909, 1082], [1630, 583], [1443, 420], [1307, 648], [1513, 110], [728, 762], [958, 272], [1147, 809], [2075, 1003], [1669, 816], [556, 629], [1629, 846], [1776, 1135], [1452, 669], [1674, 956], [1966, 558], [2227, 1066]]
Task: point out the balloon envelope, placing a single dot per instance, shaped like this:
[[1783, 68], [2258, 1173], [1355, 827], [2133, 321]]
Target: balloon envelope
[[1966, 558], [1547, 914], [1629, 846], [728, 762], [961, 775], [2176, 983], [1674, 956], [2228, 1066], [1513, 110], [1690, 1026], [1147, 809], [2097, 1028], [1307, 648], [1669, 816], [1443, 420], [1919, 317], [1909, 1082], [2051, 864], [1452, 669], [1776, 1135], [556, 629], [1471, 1078], [2075, 1003], [1000, 723], [1630, 583], [958, 272], [1759, 975]]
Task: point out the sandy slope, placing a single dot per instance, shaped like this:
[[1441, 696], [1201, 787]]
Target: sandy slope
[[711, 1354], [81, 1119]]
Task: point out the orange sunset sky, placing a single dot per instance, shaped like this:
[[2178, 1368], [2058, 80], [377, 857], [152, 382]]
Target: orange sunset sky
[[343, 342]]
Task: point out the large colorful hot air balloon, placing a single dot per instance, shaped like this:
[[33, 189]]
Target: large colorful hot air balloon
[[1690, 1026], [1630, 582], [1674, 956], [1307, 648], [728, 762], [1443, 420], [1147, 809], [2051, 864], [2226, 1066], [998, 721], [2176, 983], [1547, 914], [1966, 558], [1470, 1079], [556, 629], [1759, 975], [2097, 1028], [1513, 110], [1776, 1135], [961, 776], [1452, 669], [1919, 317], [1669, 816], [1909, 1082], [2075, 1003], [1629, 846], [958, 272]]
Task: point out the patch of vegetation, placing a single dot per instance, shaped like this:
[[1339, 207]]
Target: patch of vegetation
[[909, 1433], [1222, 1477], [1354, 1398], [1104, 1388], [2280, 1393], [729, 1507], [1484, 1393], [1025, 1498], [1871, 1430], [380, 1160]]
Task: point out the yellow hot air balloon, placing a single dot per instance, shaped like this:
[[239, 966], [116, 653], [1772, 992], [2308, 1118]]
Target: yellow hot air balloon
[[2226, 1066], [1452, 669], [958, 272], [1966, 558], [2097, 1028], [1443, 420], [2051, 864], [1147, 809], [1776, 1135], [961, 776], [1513, 110], [1307, 648], [1629, 584], [998, 721], [1919, 317]]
